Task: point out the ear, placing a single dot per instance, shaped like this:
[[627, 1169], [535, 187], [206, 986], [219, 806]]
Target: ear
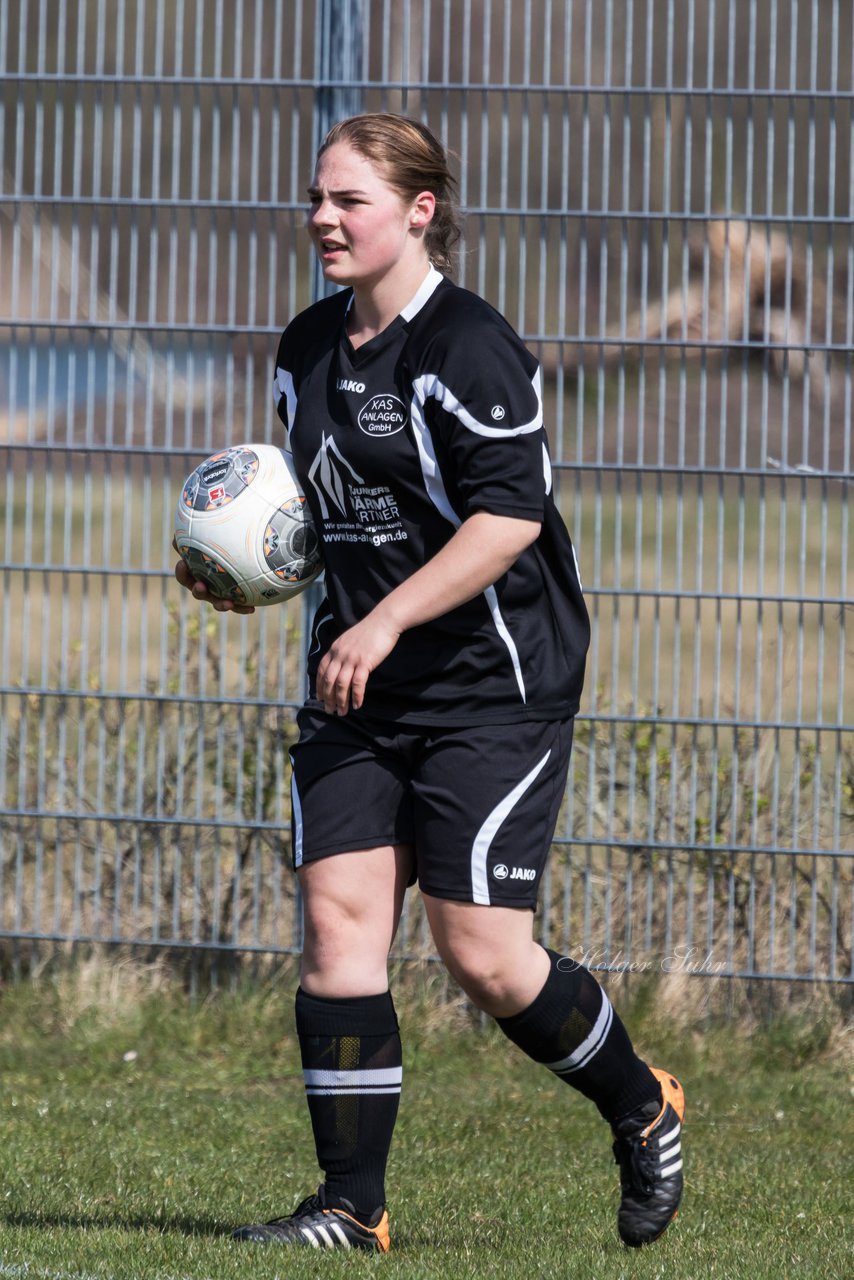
[[422, 209]]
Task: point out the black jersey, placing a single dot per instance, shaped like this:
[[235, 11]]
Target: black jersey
[[396, 443]]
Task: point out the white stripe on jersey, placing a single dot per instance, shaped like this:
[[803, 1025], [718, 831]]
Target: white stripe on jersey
[[429, 286], [433, 482], [547, 470], [582, 1054], [487, 833], [429, 387], [283, 385], [501, 628], [353, 1081], [319, 622], [296, 810]]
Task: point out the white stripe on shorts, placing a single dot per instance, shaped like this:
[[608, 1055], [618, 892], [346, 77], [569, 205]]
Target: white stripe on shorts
[[296, 813], [489, 830]]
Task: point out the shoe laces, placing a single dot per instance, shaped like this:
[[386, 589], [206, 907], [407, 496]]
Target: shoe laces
[[637, 1164], [311, 1204]]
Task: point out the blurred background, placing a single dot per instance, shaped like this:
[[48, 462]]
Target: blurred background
[[660, 197]]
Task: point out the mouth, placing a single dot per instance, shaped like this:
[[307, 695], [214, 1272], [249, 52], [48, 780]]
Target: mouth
[[330, 250]]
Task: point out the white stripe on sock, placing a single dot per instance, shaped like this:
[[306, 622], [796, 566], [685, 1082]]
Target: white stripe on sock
[[353, 1079], [355, 1092], [581, 1055]]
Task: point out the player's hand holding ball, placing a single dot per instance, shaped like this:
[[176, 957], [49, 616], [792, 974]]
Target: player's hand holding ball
[[200, 590]]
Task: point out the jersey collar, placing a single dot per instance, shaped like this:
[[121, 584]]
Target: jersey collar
[[428, 287]]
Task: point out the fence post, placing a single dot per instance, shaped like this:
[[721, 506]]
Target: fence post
[[338, 75]]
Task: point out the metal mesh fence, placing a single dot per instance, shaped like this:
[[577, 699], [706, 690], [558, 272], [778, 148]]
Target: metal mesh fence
[[660, 197]]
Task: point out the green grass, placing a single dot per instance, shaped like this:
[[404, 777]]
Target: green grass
[[138, 1168]]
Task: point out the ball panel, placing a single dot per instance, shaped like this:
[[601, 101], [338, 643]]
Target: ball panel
[[220, 479], [291, 544], [216, 577]]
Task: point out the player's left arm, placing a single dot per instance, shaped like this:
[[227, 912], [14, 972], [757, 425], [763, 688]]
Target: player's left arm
[[483, 548]]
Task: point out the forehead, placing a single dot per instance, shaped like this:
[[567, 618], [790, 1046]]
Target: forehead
[[341, 168]]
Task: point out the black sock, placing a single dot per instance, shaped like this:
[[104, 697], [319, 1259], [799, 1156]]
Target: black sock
[[571, 1028], [352, 1069]]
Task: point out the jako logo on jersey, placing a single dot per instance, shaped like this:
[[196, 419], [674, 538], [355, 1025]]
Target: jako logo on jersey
[[497, 412], [382, 416], [347, 384], [515, 873]]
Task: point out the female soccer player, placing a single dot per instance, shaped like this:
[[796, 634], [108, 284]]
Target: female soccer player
[[445, 669]]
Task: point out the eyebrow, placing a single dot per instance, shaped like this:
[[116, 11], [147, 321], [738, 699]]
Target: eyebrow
[[315, 191]]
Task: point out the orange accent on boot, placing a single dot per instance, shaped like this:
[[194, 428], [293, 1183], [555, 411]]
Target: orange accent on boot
[[380, 1230], [672, 1092]]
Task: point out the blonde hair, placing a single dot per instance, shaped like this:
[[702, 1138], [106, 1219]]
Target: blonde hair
[[411, 160]]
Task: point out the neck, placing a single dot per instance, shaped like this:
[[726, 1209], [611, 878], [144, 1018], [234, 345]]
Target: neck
[[376, 305]]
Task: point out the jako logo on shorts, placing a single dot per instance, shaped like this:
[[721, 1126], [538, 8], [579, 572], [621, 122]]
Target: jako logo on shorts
[[501, 872]]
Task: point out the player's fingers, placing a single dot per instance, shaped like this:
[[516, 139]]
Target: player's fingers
[[341, 690], [322, 676], [229, 606], [357, 686], [327, 672], [182, 573], [333, 684]]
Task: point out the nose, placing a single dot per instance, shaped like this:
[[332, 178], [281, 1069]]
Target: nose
[[322, 213]]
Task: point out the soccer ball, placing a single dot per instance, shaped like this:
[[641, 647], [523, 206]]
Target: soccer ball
[[242, 526]]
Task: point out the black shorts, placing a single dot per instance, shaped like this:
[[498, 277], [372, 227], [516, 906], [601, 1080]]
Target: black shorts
[[478, 805]]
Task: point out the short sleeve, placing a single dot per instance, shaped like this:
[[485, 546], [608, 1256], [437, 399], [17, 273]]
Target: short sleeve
[[284, 392], [484, 405]]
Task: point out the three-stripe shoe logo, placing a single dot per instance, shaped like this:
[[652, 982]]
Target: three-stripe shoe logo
[[670, 1152], [370, 1080], [328, 1236]]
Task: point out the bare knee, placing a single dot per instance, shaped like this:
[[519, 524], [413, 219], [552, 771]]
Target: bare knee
[[493, 982], [342, 954], [490, 952]]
